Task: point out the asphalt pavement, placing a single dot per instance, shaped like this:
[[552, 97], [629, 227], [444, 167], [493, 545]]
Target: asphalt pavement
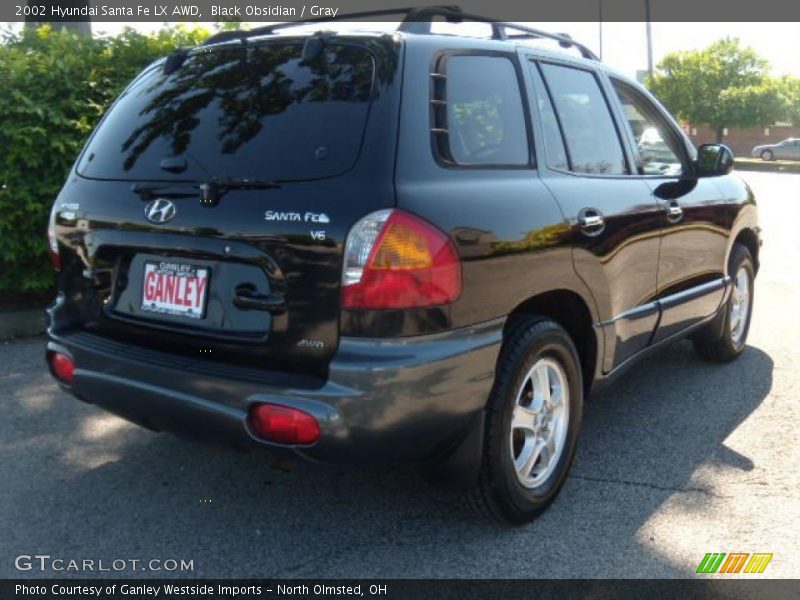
[[677, 459]]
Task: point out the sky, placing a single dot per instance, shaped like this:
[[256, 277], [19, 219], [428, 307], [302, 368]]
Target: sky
[[625, 47], [624, 44]]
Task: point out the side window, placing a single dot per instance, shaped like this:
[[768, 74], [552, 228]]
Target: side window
[[484, 116], [656, 143], [555, 151], [593, 143]]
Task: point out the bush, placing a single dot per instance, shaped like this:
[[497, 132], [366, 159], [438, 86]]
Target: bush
[[54, 87]]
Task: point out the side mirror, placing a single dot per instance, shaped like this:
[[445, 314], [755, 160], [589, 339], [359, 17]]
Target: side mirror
[[713, 160]]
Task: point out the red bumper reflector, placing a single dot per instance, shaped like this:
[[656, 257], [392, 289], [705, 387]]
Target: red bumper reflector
[[63, 367], [283, 424]]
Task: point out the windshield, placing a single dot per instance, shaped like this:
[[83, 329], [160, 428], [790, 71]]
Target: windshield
[[243, 112]]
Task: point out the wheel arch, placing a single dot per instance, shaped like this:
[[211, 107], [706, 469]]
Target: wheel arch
[[750, 240], [573, 313]]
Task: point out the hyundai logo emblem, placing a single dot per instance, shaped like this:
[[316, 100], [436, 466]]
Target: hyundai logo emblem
[[159, 210]]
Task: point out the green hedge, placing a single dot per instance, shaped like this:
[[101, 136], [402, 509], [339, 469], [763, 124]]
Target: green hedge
[[772, 166], [54, 87]]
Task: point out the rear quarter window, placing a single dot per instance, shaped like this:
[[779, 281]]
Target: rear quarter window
[[483, 113], [249, 111]]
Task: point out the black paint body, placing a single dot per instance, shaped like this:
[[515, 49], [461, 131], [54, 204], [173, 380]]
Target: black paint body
[[390, 384]]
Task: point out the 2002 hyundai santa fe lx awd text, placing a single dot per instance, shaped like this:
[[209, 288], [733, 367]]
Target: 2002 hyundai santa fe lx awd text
[[406, 246]]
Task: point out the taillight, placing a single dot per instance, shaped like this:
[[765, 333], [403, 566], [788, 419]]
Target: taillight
[[62, 366], [283, 424], [396, 260], [52, 241]]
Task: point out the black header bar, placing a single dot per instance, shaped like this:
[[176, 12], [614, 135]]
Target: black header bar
[[710, 11]]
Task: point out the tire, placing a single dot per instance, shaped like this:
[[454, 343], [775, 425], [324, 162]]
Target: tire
[[540, 348], [724, 339], [767, 155]]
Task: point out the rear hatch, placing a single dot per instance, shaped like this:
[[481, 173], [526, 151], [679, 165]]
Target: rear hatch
[[207, 214]]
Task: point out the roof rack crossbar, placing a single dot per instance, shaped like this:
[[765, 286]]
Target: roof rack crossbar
[[418, 20]]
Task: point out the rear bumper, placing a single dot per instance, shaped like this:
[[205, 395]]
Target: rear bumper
[[405, 399]]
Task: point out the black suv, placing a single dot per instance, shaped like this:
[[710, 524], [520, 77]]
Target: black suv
[[407, 246]]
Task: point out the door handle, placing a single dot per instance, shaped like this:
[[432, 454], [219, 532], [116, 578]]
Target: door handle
[[246, 297], [591, 221], [674, 211]]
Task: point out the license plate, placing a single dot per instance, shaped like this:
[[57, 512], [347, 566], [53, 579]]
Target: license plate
[[172, 288]]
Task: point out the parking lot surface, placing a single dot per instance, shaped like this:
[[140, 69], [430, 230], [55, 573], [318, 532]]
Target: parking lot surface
[[677, 459]]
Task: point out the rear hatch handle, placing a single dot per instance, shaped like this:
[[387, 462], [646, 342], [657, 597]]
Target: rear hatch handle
[[247, 297]]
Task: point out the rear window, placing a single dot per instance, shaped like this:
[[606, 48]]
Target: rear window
[[244, 112]]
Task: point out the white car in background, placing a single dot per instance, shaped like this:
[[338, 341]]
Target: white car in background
[[788, 149]]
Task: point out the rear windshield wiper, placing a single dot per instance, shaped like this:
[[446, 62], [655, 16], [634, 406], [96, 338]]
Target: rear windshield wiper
[[232, 183], [210, 191], [146, 190]]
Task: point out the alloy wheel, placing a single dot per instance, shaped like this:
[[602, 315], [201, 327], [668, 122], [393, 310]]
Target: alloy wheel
[[539, 422]]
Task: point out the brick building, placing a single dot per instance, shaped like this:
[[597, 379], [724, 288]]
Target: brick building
[[742, 141]]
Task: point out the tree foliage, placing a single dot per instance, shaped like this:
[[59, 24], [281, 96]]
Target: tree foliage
[[789, 89], [54, 87], [724, 85]]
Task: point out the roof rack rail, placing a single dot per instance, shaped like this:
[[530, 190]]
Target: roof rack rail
[[417, 20]]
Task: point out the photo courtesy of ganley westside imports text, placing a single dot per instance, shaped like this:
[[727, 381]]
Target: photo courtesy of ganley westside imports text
[[212, 590]]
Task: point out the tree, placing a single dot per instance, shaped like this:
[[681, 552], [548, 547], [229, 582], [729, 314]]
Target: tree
[[80, 25], [724, 85], [790, 92], [55, 86]]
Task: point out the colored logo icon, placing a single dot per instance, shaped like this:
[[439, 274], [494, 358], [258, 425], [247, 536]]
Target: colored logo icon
[[735, 562]]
